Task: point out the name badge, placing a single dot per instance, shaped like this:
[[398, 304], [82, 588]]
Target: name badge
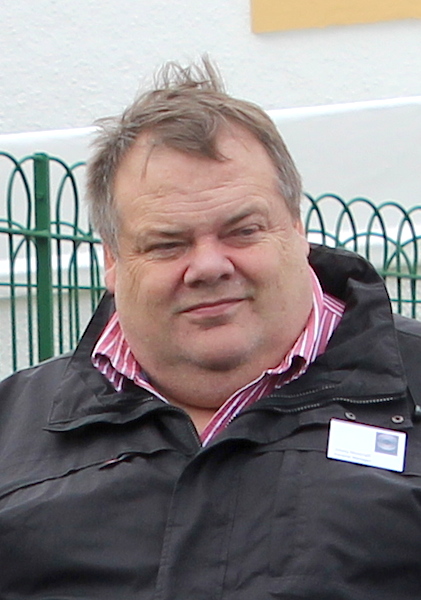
[[366, 445]]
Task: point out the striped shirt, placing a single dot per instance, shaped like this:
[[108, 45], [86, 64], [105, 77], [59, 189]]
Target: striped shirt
[[114, 359]]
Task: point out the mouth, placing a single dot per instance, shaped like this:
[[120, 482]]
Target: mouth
[[214, 308]]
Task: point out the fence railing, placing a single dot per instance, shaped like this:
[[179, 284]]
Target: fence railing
[[51, 263], [387, 234]]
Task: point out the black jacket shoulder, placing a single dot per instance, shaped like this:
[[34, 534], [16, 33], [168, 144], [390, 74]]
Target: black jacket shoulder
[[408, 332]]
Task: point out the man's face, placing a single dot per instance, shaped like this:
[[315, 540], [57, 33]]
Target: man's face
[[211, 271]]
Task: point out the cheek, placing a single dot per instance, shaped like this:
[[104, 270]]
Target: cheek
[[281, 264], [145, 285], [268, 260]]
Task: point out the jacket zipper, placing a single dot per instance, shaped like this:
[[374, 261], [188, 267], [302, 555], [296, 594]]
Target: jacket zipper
[[302, 408]]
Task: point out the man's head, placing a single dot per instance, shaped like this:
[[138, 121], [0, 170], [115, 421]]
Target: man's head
[[204, 254], [185, 111]]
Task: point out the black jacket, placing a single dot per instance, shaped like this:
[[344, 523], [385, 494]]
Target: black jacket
[[109, 496]]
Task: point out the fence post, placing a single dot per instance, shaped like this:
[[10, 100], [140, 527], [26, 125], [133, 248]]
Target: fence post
[[43, 251]]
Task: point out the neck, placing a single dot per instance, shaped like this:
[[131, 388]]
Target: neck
[[200, 392]]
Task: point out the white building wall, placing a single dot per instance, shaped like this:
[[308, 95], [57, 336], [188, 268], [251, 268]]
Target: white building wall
[[65, 63]]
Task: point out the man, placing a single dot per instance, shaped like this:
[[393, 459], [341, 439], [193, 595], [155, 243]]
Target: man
[[180, 453]]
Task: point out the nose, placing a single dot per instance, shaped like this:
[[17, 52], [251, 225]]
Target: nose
[[208, 264]]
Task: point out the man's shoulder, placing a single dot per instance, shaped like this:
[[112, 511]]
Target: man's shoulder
[[32, 387], [408, 333], [409, 338], [43, 369], [50, 372], [26, 400], [408, 329]]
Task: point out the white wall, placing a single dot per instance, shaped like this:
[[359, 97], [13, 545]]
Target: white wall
[[64, 63]]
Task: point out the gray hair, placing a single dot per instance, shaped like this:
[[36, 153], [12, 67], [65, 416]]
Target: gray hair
[[185, 110]]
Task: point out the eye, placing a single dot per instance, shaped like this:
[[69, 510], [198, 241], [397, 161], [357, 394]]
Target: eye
[[163, 246], [165, 249], [245, 234], [247, 231]]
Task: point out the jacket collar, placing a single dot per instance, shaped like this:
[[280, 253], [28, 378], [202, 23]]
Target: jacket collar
[[362, 359], [85, 396]]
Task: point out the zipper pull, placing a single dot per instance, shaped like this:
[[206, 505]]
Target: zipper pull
[[118, 459]]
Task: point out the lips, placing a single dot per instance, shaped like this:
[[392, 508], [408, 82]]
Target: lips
[[213, 308]]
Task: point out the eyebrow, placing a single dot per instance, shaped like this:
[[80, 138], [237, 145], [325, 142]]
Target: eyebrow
[[168, 233], [240, 216], [248, 212]]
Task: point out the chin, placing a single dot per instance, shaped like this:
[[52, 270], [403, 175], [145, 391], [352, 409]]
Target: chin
[[220, 361]]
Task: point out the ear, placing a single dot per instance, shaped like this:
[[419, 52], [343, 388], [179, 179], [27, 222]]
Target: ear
[[110, 268], [299, 227]]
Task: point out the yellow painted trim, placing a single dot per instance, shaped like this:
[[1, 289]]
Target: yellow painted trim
[[275, 15]]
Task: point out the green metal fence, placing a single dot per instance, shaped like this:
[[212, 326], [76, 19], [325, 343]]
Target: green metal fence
[[387, 234], [50, 261]]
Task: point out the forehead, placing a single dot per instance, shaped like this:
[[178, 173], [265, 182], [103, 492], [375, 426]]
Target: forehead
[[159, 170]]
